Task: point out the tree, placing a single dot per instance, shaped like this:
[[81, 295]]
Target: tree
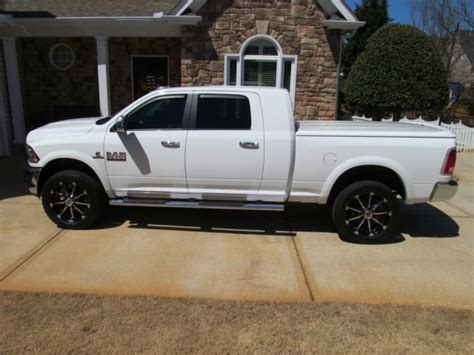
[[443, 20], [375, 14], [400, 71]]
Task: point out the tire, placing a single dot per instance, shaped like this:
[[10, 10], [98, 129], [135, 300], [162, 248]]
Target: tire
[[366, 212], [73, 199]]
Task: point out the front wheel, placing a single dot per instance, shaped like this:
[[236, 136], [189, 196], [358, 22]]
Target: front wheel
[[73, 199], [366, 211]]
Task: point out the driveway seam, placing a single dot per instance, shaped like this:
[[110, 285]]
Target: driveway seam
[[306, 281], [22, 260], [459, 208]]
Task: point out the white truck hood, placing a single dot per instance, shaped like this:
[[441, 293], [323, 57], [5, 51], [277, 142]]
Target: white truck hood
[[66, 128], [371, 129]]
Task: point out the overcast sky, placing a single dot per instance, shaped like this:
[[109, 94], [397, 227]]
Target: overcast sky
[[398, 9]]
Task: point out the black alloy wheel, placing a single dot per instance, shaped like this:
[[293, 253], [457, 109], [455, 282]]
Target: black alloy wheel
[[366, 211], [73, 199]]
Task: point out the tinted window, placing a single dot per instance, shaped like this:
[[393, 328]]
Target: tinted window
[[226, 112], [166, 113]]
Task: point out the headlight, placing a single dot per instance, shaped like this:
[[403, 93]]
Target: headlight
[[31, 154]]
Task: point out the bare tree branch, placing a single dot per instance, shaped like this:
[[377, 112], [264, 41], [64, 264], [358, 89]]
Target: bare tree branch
[[443, 20]]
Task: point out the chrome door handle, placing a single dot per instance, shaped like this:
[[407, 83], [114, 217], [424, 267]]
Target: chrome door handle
[[249, 145], [170, 144]]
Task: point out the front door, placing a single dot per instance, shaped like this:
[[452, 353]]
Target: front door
[[148, 159], [225, 147]]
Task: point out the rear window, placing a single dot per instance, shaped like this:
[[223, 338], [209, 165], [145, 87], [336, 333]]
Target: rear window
[[223, 112]]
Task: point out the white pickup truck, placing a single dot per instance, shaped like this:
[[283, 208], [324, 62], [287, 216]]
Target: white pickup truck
[[237, 148]]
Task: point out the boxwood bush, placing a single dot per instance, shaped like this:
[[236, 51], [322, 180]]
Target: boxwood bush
[[399, 71]]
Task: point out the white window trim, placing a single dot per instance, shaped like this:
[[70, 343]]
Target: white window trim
[[279, 59], [51, 51]]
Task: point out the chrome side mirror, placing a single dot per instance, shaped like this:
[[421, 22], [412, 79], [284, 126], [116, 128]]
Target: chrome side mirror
[[120, 125]]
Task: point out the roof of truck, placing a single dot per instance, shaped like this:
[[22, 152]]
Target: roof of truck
[[222, 88]]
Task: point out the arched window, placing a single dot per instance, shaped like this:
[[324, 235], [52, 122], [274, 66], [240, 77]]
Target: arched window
[[261, 62]]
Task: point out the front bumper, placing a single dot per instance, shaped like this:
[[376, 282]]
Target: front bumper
[[31, 175], [444, 191]]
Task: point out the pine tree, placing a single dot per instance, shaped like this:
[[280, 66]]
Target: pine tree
[[375, 14]]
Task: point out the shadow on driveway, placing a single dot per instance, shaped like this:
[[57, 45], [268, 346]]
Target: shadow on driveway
[[427, 221]]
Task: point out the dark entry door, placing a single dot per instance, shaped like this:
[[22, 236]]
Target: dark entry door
[[149, 73]]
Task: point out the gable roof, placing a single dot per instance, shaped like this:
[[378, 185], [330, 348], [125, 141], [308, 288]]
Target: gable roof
[[466, 40], [85, 8], [340, 16]]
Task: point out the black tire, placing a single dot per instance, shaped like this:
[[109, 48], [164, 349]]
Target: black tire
[[73, 199], [366, 212]]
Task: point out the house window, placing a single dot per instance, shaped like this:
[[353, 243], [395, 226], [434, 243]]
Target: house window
[[61, 56], [261, 63]]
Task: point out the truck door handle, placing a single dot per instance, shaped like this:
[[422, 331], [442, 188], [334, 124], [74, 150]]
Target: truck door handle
[[249, 145], [170, 144]]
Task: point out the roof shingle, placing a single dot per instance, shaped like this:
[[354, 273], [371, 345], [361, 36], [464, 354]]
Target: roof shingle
[[85, 8]]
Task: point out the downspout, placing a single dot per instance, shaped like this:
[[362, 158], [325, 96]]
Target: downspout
[[338, 77]]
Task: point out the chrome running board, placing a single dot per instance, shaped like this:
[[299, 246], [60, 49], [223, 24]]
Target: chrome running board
[[217, 205]]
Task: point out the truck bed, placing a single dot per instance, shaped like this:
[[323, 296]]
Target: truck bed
[[370, 129]]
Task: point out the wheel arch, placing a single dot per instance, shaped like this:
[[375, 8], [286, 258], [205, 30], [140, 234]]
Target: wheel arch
[[61, 164], [389, 174]]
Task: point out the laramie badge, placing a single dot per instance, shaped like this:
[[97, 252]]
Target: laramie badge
[[117, 156]]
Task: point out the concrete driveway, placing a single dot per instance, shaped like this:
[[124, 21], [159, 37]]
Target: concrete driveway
[[295, 255]]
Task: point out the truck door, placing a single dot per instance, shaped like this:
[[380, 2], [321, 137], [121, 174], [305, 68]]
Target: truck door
[[148, 159], [225, 147]]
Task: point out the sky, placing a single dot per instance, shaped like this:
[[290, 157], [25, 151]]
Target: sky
[[398, 9]]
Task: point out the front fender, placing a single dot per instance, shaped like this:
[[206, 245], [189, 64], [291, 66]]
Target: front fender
[[393, 165], [97, 165]]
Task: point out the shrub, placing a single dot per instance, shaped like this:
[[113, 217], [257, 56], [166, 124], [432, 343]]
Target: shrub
[[399, 71]]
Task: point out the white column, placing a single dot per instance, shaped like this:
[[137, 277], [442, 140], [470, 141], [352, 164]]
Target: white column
[[14, 89], [103, 75]]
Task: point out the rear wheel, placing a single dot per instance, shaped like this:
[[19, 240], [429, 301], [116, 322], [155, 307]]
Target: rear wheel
[[366, 211], [73, 199]]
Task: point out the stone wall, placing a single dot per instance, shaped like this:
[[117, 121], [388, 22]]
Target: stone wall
[[120, 69], [49, 93], [298, 27]]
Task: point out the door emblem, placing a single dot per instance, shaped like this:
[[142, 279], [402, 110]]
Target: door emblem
[[97, 155], [116, 156]]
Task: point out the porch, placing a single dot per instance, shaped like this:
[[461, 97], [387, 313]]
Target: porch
[[60, 68]]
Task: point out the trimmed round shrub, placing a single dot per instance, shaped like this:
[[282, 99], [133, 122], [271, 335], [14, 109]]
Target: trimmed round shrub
[[399, 71]]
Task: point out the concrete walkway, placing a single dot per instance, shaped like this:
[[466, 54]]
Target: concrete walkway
[[294, 255]]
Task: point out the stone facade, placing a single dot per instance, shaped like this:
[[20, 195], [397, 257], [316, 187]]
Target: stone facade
[[295, 24], [121, 51], [53, 93]]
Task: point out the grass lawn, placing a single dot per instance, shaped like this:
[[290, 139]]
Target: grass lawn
[[41, 322]]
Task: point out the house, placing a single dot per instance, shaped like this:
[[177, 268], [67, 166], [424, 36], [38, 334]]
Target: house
[[462, 70], [69, 58]]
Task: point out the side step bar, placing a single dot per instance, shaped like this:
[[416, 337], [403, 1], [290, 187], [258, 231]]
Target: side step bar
[[217, 205]]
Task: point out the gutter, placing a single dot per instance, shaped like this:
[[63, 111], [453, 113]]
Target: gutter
[[158, 18], [343, 25]]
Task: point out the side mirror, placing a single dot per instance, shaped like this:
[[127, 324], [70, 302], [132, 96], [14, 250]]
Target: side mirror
[[120, 125]]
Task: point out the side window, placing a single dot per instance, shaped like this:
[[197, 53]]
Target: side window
[[165, 113], [223, 112]]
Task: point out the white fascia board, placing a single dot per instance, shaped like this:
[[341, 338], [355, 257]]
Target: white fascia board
[[186, 5], [333, 6], [136, 26], [343, 25]]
